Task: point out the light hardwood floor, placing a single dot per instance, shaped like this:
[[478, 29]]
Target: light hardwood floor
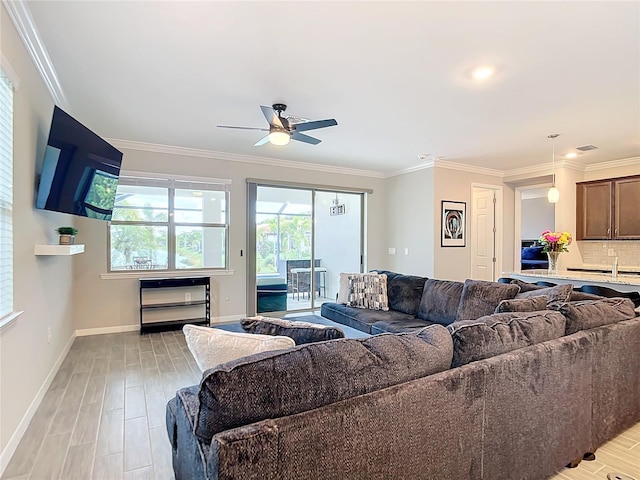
[[104, 416], [620, 455]]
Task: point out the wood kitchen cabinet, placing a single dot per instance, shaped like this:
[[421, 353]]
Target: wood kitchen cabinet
[[608, 209]]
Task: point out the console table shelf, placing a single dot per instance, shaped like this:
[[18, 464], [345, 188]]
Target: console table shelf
[[158, 294], [173, 304]]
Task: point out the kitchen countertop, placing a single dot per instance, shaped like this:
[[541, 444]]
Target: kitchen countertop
[[582, 277], [604, 269]]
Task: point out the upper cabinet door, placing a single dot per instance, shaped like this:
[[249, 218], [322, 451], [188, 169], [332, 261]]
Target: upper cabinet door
[[626, 209], [593, 210]]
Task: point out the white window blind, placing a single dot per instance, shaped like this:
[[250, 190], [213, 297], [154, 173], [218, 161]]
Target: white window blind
[[6, 196]]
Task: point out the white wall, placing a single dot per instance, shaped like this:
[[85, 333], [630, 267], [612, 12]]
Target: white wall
[[537, 215], [410, 224], [103, 303], [454, 263], [632, 168], [42, 285]]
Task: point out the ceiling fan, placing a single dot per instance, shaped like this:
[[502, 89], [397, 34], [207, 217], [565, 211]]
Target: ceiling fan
[[283, 129]]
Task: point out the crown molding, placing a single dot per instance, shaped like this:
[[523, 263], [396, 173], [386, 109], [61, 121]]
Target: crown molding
[[236, 157], [544, 169], [415, 168], [624, 162], [26, 27], [468, 168], [436, 162]]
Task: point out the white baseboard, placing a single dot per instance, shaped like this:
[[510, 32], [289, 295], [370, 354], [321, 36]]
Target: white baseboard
[[103, 330], [134, 328], [13, 442]]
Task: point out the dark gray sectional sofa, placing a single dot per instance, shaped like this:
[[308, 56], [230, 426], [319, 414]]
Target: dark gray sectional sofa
[[404, 292], [510, 396]]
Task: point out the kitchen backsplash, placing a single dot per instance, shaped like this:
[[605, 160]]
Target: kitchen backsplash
[[597, 253]]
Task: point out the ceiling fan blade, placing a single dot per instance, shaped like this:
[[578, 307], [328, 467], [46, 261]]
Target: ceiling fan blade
[[301, 137], [271, 116], [243, 128], [262, 141], [301, 127]]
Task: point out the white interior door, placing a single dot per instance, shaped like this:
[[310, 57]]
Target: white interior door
[[483, 234]]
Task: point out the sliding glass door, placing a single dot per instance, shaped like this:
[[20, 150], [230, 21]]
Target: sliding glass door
[[338, 240], [300, 240]]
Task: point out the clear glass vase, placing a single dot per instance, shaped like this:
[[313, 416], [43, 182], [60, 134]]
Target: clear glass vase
[[553, 262]]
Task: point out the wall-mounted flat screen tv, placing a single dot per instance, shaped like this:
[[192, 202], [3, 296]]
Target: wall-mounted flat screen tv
[[79, 172]]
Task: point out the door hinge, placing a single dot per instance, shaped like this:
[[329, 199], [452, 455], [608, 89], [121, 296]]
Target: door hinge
[[495, 200], [493, 259], [495, 229]]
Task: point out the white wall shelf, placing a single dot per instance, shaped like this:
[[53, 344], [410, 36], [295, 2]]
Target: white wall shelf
[[58, 249]]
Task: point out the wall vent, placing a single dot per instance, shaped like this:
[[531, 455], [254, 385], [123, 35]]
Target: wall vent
[[586, 148]]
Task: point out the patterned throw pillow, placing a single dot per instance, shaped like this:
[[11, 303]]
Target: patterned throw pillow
[[368, 291], [343, 293]]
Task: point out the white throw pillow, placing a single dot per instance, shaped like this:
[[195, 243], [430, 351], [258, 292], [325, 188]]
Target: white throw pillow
[[211, 346], [343, 293]]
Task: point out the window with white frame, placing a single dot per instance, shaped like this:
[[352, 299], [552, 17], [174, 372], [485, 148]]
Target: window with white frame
[[6, 196], [169, 224]]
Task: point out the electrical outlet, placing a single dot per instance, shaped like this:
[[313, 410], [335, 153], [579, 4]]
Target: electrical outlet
[[406, 251], [187, 297], [611, 252], [49, 335], [392, 251]]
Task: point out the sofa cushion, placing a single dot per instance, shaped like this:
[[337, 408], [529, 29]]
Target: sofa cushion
[[212, 346], [578, 296], [404, 291], [502, 332], [480, 298], [359, 318], [532, 304], [300, 332], [588, 314], [368, 291], [277, 384], [440, 300], [526, 286], [399, 326], [557, 294]]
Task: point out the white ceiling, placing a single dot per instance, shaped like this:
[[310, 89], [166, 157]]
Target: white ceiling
[[393, 74]]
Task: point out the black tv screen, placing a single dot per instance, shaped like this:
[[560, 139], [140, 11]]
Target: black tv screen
[[80, 170]]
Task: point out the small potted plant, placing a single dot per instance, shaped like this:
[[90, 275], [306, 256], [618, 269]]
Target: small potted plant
[[67, 235]]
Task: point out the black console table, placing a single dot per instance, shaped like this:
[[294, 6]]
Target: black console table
[[169, 303]]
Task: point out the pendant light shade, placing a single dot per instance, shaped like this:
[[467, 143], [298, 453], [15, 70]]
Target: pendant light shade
[[553, 195]]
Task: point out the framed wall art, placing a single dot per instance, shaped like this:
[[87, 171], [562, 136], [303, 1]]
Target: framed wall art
[[453, 229]]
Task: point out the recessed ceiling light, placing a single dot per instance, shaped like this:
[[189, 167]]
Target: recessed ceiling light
[[571, 155], [482, 73]]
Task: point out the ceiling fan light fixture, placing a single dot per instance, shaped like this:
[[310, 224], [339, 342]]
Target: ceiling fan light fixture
[[279, 137]]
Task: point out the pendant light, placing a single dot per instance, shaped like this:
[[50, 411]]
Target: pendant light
[[553, 195]]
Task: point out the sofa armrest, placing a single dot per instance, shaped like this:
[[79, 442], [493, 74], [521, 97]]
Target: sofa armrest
[[189, 452]]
